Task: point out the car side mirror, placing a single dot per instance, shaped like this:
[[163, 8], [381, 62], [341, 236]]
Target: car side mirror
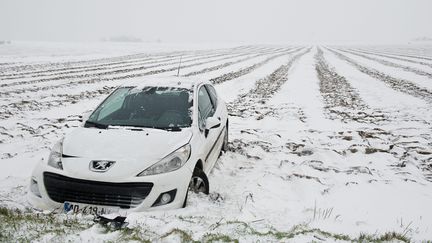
[[211, 123]]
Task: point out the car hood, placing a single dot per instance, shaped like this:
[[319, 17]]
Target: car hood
[[132, 151]]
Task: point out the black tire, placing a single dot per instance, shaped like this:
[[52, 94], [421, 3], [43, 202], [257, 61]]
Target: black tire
[[225, 142], [199, 182], [185, 200]]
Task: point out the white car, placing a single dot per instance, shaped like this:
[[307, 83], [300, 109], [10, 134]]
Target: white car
[[141, 149]]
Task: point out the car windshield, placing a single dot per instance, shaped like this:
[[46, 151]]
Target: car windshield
[[156, 107]]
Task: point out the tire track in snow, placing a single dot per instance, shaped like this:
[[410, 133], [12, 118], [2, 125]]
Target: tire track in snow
[[253, 103], [340, 98], [400, 85], [391, 64], [235, 74]]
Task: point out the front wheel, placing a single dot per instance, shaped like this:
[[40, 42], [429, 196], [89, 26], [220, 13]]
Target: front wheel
[[225, 141], [198, 183]]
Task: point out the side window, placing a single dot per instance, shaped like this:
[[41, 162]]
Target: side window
[[205, 106], [213, 96]]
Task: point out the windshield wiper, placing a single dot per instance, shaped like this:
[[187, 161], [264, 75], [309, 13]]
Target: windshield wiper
[[139, 127], [95, 124], [129, 127], [171, 129]]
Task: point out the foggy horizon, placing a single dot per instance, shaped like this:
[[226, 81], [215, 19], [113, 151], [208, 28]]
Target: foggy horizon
[[195, 21]]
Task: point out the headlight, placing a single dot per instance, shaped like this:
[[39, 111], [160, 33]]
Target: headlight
[[172, 162], [55, 156]]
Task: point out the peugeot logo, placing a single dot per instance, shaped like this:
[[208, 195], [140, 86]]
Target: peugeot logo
[[100, 165]]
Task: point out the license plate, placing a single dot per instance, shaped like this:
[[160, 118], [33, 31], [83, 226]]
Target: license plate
[[71, 207]]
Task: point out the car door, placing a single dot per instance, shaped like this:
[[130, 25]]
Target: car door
[[206, 109], [218, 111], [219, 131]]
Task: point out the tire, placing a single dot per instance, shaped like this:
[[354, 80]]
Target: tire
[[199, 182], [185, 200], [225, 142]]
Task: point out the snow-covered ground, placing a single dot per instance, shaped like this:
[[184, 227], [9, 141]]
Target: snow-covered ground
[[326, 142]]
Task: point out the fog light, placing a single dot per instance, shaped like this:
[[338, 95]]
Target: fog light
[[165, 198], [34, 188]]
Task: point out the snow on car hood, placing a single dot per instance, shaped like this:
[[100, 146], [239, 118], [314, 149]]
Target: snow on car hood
[[133, 151]]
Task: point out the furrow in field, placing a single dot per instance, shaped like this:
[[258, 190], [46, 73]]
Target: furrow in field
[[104, 77], [417, 54], [252, 103], [226, 64], [37, 67], [109, 65], [64, 66], [217, 66], [34, 68], [405, 133], [393, 57], [341, 99], [391, 64], [41, 68], [246, 70], [401, 85], [55, 100], [16, 109], [58, 99], [110, 71], [90, 68]]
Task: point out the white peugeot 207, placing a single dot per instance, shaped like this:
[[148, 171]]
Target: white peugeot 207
[[143, 148]]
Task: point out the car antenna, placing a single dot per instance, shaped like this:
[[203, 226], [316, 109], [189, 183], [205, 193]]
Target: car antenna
[[178, 70]]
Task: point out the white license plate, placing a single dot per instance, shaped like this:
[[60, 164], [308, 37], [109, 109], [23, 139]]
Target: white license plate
[[72, 207]]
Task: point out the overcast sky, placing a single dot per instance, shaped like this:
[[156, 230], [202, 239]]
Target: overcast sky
[[259, 21]]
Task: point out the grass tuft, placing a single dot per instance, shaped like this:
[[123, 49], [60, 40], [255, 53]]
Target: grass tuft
[[17, 226]]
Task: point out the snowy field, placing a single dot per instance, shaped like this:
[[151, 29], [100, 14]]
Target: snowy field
[[327, 143]]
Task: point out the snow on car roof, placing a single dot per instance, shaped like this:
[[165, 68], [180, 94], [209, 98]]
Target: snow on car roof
[[170, 81]]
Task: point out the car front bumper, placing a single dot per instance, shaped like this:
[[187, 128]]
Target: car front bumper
[[176, 180]]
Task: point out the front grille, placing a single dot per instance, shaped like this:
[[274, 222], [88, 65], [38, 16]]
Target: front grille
[[124, 195]]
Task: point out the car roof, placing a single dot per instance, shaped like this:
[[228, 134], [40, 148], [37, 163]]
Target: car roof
[[164, 81]]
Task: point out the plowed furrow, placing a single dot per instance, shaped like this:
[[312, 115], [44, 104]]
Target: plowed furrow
[[391, 64], [253, 103], [60, 66], [393, 57], [105, 73], [405, 55], [64, 66], [87, 79], [81, 69], [341, 100], [400, 85], [224, 65], [246, 70], [14, 110]]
